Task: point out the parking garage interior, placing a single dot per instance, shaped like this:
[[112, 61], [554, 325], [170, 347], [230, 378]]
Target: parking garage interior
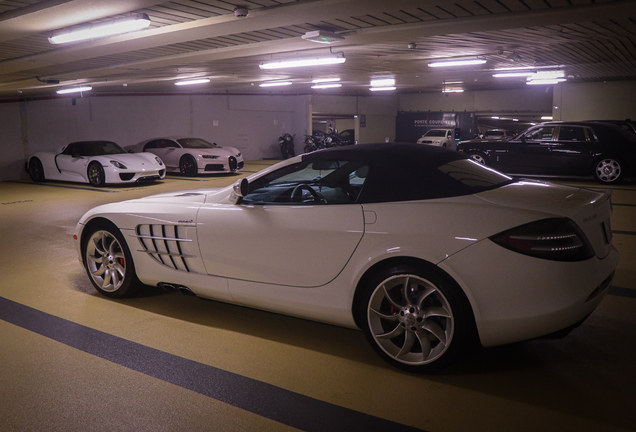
[[74, 360]]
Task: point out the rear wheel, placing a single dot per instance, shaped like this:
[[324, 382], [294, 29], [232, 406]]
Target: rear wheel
[[96, 174], [479, 158], [608, 170], [36, 170], [108, 261], [188, 166], [415, 318]]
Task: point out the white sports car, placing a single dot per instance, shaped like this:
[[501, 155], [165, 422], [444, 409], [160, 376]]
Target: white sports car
[[192, 156], [95, 162], [425, 250]]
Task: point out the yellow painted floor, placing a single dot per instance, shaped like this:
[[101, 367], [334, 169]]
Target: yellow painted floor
[[585, 382]]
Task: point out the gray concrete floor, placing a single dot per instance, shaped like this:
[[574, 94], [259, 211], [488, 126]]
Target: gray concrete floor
[[585, 382]]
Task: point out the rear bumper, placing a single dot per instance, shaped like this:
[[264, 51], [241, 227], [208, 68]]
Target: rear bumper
[[530, 297]]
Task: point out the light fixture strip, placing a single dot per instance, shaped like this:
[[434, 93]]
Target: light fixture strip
[[325, 86], [275, 84], [93, 31], [74, 90], [300, 62], [453, 91], [377, 88], [464, 62], [192, 81]]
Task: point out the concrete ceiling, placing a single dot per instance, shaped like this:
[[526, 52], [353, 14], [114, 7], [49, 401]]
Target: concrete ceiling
[[591, 40]]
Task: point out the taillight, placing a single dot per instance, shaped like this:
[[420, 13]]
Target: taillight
[[557, 239]]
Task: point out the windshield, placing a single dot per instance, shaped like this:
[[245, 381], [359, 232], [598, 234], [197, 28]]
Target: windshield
[[436, 133], [318, 182], [96, 148], [196, 143]]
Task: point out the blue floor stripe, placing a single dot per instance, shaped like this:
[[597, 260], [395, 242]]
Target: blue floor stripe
[[622, 292], [266, 400], [624, 232]]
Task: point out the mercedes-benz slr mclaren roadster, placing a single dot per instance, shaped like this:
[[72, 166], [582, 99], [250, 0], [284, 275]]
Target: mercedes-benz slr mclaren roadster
[[425, 250]]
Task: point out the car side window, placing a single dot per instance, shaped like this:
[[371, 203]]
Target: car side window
[[312, 183], [151, 145], [169, 143], [544, 133], [572, 133]]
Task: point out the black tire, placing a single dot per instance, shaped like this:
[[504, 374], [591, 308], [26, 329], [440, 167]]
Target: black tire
[[416, 317], [96, 175], [188, 166], [283, 151], [608, 170], [108, 261], [309, 148], [479, 157], [36, 170]]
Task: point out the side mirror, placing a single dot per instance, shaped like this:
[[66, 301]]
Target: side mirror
[[76, 156], [240, 189]]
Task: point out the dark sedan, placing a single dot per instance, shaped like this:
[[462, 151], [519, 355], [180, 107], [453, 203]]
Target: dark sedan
[[561, 149]]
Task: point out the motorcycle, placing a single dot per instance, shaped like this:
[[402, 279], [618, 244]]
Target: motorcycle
[[286, 143]]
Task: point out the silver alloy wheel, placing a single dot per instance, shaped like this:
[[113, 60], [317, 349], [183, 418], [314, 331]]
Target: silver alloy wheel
[[105, 260], [410, 319], [608, 170], [478, 158]]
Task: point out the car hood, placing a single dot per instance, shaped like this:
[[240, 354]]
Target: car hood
[[131, 160]]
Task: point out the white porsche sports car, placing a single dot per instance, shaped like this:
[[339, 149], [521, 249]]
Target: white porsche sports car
[[192, 156], [425, 250], [95, 162]]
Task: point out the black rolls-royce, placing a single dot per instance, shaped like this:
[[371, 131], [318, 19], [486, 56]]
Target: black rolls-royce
[[561, 149]]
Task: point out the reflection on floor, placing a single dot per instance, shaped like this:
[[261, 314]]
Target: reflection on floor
[[72, 360]]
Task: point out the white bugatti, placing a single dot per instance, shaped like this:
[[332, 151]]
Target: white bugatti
[[425, 250], [192, 156], [95, 162]]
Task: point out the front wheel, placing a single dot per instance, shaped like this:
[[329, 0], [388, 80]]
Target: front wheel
[[96, 174], [479, 158], [108, 262], [36, 170], [415, 318], [608, 170], [188, 166]]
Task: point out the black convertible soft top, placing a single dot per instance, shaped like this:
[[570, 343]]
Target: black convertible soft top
[[407, 172]]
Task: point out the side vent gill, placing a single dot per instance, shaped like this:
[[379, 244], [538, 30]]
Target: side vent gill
[[166, 244]]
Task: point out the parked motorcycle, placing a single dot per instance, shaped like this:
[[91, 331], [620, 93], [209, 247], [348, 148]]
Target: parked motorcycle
[[286, 143]]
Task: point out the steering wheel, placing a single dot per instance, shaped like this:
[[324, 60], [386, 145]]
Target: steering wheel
[[297, 194]]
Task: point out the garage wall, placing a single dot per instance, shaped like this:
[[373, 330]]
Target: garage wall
[[377, 113], [530, 100], [595, 101], [250, 123]]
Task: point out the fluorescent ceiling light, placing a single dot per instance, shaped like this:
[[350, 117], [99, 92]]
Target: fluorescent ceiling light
[[453, 82], [545, 81], [275, 84], [193, 81], [513, 74], [97, 30], [494, 118], [300, 62], [322, 36], [326, 86], [74, 90], [325, 80], [528, 67], [388, 88], [546, 117], [382, 82], [453, 91], [464, 62]]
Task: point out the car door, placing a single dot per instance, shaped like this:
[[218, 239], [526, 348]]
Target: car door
[[572, 150], [72, 163], [528, 154], [166, 150], [272, 239]]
